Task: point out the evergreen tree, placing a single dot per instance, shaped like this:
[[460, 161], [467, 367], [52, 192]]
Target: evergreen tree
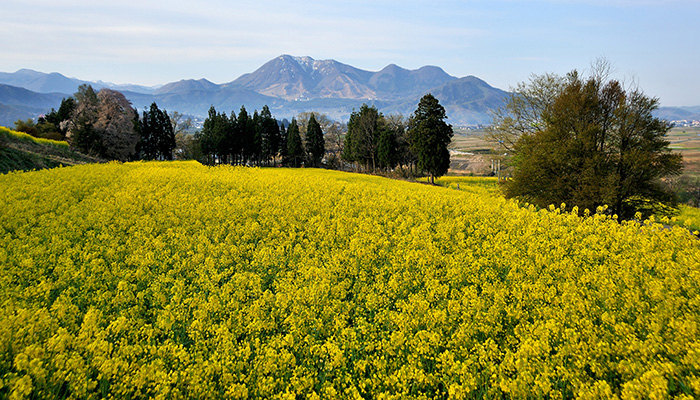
[[166, 140], [216, 140], [270, 135], [246, 132], [233, 143], [283, 145], [429, 136], [295, 148], [363, 136], [257, 138], [157, 140], [387, 155], [315, 145]]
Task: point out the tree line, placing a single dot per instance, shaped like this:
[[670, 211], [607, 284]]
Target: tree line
[[259, 140], [105, 125], [373, 142]]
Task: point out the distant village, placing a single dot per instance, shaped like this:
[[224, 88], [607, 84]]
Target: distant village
[[685, 123]]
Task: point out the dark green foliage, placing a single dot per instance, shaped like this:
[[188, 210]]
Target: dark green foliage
[[84, 136], [56, 122], [245, 131], [315, 144], [295, 148], [598, 145], [376, 142], [270, 135], [387, 149], [213, 138], [429, 136], [27, 127], [157, 140], [283, 143], [363, 136], [240, 140]]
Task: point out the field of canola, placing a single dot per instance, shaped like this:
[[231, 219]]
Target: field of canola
[[175, 280]]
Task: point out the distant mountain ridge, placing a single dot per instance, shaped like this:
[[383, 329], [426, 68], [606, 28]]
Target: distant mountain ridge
[[298, 78], [288, 85], [54, 82]]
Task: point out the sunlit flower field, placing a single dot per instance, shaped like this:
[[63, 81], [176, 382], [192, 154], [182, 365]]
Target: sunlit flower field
[[176, 280]]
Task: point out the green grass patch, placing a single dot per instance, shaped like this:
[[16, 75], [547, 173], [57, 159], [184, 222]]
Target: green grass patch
[[689, 217], [472, 184], [22, 152]]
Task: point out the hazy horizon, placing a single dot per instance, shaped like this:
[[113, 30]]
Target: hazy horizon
[[653, 43]]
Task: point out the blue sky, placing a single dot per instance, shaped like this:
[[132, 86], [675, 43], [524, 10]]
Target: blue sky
[[655, 44]]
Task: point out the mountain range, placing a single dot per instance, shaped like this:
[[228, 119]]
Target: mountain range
[[288, 85]]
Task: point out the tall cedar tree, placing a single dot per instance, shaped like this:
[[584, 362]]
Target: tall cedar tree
[[257, 138], [283, 144], [315, 145], [246, 135], [270, 135], [214, 139], [387, 149], [363, 136], [598, 145], [157, 137], [430, 135], [295, 148]]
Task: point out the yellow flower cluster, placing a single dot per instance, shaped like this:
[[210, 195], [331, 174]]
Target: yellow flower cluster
[[28, 137], [174, 280]]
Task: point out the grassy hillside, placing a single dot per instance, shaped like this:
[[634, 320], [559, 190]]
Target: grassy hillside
[[20, 151], [175, 280]]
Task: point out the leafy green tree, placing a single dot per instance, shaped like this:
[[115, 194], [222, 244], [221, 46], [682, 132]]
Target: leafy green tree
[[315, 144], [429, 136], [27, 126], [295, 148], [597, 144]]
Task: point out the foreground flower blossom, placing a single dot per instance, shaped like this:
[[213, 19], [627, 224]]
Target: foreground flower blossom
[[175, 280]]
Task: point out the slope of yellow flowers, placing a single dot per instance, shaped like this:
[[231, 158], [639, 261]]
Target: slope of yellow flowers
[[175, 280]]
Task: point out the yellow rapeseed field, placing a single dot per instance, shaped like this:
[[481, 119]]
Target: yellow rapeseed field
[[176, 280], [27, 137]]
